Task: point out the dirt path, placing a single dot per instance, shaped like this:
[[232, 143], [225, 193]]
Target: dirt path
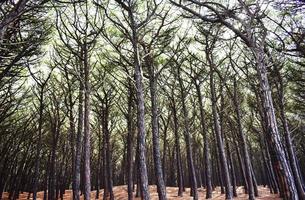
[[121, 194]]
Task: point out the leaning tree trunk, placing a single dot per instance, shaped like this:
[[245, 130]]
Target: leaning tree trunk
[[291, 154], [278, 157]]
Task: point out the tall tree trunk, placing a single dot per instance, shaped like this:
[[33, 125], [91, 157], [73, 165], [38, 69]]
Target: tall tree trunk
[[155, 128], [243, 143], [191, 167], [87, 135], [207, 164], [39, 143], [108, 150], [130, 128], [278, 157], [229, 153], [222, 154], [78, 147], [291, 154], [141, 114], [177, 148]]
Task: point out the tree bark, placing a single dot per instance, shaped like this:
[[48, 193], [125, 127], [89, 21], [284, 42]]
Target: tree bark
[[222, 154], [243, 143], [130, 129], [78, 147], [188, 142], [39, 142], [291, 154], [140, 113], [155, 128], [207, 164], [177, 148], [87, 135]]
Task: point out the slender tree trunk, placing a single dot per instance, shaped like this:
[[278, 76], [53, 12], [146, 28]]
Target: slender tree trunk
[[105, 168], [207, 164], [108, 149], [155, 129], [177, 148], [130, 128], [243, 142], [39, 143], [188, 142], [222, 154], [229, 153], [288, 140], [87, 135], [78, 148]]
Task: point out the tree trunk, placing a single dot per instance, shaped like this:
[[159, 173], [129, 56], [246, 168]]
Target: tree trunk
[[222, 154], [141, 120], [188, 142], [87, 135], [291, 154], [39, 143], [155, 128], [208, 176], [130, 128], [108, 150], [177, 148], [243, 143], [78, 147], [278, 157]]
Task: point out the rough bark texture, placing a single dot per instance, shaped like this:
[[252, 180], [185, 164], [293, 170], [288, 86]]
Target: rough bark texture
[[278, 157], [141, 115]]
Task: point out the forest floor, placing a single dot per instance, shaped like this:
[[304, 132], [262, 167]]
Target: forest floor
[[120, 193]]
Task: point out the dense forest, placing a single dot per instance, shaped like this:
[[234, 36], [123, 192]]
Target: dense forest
[[200, 96]]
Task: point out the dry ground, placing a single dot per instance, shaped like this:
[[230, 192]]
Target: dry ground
[[120, 193]]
